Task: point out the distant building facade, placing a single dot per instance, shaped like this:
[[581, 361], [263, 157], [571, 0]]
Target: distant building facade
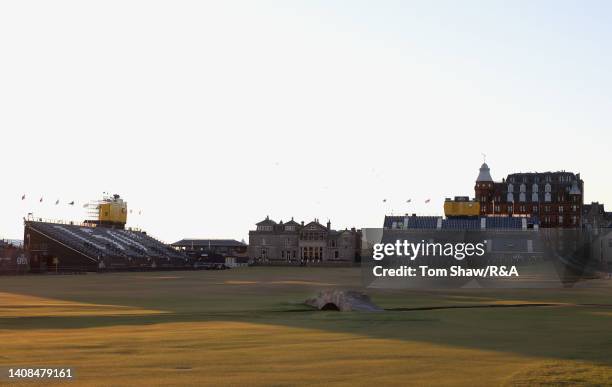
[[594, 215], [230, 252], [555, 198], [299, 243]]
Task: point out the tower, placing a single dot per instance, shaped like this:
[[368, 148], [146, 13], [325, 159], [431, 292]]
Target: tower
[[484, 189]]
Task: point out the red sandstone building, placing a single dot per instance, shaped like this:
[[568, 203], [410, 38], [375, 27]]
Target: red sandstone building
[[555, 198]]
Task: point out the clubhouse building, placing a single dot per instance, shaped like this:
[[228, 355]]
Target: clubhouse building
[[294, 243]]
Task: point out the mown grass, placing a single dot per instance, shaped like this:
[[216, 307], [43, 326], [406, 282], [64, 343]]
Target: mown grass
[[249, 327]]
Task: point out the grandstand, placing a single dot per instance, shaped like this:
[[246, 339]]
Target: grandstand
[[460, 223], [69, 247]]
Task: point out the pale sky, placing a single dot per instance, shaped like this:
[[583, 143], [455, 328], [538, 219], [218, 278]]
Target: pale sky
[[208, 116]]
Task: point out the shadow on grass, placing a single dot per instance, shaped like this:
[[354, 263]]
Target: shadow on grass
[[467, 319]]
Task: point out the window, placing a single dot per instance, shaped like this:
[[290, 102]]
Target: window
[[523, 188], [560, 219], [534, 187], [560, 209], [534, 197], [547, 187], [522, 197], [510, 197], [510, 188], [535, 208], [547, 197], [336, 254]]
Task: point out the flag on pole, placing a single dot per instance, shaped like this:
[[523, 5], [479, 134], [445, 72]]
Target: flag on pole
[[427, 201], [41, 199], [57, 202], [85, 205], [408, 201], [384, 200], [23, 197], [71, 203]]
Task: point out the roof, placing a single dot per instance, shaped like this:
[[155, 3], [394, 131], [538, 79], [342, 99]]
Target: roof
[[315, 223], [209, 242], [292, 223], [484, 174], [266, 222]]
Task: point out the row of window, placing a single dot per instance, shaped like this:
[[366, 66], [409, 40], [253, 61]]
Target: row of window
[[549, 220], [309, 252], [535, 198], [547, 178], [534, 209], [293, 242], [534, 188]]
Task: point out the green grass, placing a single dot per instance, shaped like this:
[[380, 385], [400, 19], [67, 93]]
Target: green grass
[[249, 326]]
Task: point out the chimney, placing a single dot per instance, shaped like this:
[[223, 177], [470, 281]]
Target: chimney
[[328, 224]]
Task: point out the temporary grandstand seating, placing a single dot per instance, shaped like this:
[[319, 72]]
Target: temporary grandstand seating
[[418, 222], [111, 248], [504, 223], [423, 221], [433, 222], [461, 224], [394, 221]]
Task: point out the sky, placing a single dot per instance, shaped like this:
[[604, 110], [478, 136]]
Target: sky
[[209, 116]]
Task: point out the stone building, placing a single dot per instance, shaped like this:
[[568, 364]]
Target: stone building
[[594, 215], [299, 243]]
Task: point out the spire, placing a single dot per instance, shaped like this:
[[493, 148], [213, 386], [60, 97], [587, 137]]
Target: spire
[[485, 174]]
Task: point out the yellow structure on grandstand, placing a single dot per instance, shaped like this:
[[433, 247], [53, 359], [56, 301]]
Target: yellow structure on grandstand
[[461, 206], [112, 211]]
